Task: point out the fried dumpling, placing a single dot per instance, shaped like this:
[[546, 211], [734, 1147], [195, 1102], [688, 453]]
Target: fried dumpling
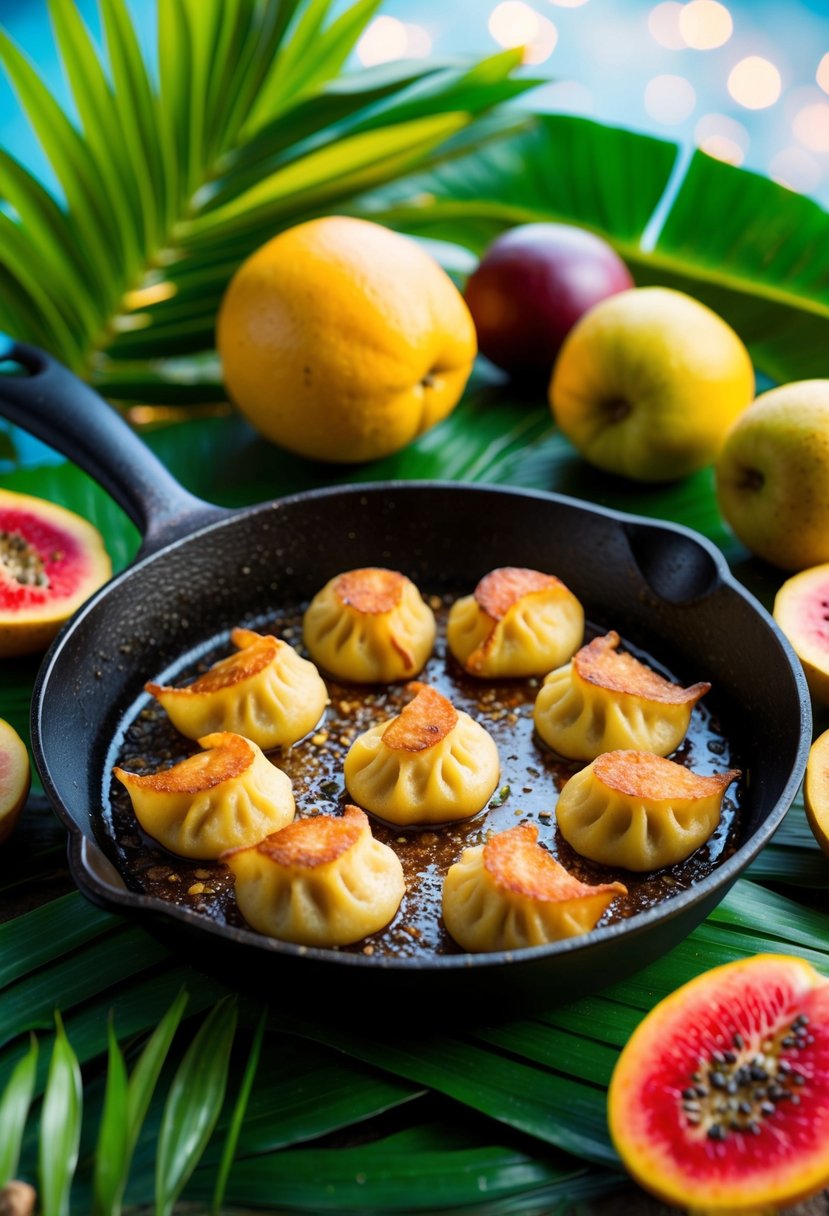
[[431, 764], [510, 893], [639, 811], [266, 692], [369, 626], [322, 881], [606, 701], [516, 623], [225, 796]]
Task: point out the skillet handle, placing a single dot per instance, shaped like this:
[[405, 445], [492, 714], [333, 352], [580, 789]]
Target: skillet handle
[[53, 404]]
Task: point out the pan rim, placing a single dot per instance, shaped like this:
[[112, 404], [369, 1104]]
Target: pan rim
[[712, 887]]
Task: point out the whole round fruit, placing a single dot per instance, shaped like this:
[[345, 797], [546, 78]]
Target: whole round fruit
[[801, 609], [532, 285], [773, 474], [51, 560], [343, 341], [720, 1099], [15, 778], [648, 383], [816, 790]]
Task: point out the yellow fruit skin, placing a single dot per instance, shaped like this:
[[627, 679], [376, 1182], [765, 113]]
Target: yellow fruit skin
[[343, 341], [816, 790], [789, 605], [15, 778], [773, 472], [648, 382]]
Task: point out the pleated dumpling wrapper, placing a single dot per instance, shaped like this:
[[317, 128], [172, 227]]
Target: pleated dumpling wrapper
[[431, 764], [511, 892], [225, 796], [640, 811], [608, 701], [369, 626], [516, 623], [266, 692], [321, 881]]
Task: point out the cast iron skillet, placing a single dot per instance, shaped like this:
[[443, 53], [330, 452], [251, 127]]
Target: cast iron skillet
[[201, 569]]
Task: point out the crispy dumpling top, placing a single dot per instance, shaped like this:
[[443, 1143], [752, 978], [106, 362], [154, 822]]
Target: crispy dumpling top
[[640, 811], [606, 700], [517, 622], [227, 795], [602, 664], [320, 881], [428, 765], [511, 892], [369, 626], [265, 691]]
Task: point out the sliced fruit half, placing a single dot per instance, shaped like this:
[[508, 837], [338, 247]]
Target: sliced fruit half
[[801, 609], [51, 560], [816, 790], [15, 778], [719, 1102]]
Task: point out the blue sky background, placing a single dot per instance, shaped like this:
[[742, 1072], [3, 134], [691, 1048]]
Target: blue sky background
[[604, 64]]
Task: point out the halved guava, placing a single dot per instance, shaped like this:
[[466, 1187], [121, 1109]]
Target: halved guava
[[720, 1100], [15, 778], [51, 560], [816, 790], [801, 609]]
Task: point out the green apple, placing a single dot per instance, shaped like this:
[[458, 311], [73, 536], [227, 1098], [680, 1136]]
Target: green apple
[[773, 476], [648, 382]]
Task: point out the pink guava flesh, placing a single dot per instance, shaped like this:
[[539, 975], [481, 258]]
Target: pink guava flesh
[[60, 557]]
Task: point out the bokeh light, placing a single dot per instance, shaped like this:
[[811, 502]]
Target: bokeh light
[[795, 169], [543, 44], [418, 41], [811, 126], [383, 41], [722, 137], [568, 3], [663, 25], [514, 23], [755, 83], [822, 74], [670, 99], [705, 24]]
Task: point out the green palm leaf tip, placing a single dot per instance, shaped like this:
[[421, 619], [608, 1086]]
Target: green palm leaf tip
[[114, 272], [60, 1127], [125, 1108], [193, 1105], [14, 1111]]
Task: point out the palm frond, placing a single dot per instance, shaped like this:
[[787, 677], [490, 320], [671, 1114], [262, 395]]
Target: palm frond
[[168, 186]]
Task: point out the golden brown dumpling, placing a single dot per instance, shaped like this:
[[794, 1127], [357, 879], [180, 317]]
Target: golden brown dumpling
[[223, 797], [640, 811], [510, 893], [431, 764], [266, 692], [322, 881], [516, 623], [369, 626], [608, 701]]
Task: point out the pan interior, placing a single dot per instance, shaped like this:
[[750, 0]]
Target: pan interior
[[531, 777]]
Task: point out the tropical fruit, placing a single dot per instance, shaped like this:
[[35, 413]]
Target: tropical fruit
[[51, 560], [772, 474], [720, 1100], [816, 790], [532, 285], [648, 382], [15, 778], [343, 341], [801, 609]]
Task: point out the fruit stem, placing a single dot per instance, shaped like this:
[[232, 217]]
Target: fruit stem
[[617, 409]]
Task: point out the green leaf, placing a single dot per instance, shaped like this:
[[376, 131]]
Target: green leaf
[[239, 1110], [60, 1127], [193, 1104], [112, 1151], [14, 1110], [144, 1077], [47, 934]]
